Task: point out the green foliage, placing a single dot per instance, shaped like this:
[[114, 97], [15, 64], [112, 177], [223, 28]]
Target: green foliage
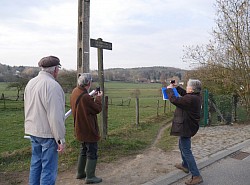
[[230, 110], [224, 103]]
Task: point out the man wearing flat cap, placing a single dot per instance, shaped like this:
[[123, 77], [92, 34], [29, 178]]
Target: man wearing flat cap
[[44, 109]]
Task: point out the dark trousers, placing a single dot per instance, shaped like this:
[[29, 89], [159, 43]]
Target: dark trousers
[[89, 150]]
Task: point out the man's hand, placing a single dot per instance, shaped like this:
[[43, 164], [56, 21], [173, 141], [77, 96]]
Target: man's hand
[[61, 148], [170, 86], [99, 93]]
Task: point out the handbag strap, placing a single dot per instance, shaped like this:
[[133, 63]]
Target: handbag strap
[[77, 101]]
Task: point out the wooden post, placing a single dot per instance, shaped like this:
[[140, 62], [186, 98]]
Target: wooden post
[[83, 36], [101, 83], [105, 126], [129, 102], [137, 111], [100, 45], [3, 101], [157, 113], [165, 104]]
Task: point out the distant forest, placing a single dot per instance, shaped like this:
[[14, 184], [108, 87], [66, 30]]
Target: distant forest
[[141, 74]]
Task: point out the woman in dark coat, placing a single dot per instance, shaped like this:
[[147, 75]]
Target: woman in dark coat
[[85, 109], [186, 124]]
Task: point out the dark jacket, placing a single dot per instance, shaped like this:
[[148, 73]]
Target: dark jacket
[[85, 115], [187, 113]]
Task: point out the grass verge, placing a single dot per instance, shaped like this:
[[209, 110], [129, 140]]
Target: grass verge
[[126, 141]]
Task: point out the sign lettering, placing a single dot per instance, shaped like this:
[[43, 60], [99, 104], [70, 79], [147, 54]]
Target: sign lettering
[[100, 44]]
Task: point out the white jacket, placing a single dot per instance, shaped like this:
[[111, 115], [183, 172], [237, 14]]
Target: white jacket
[[44, 107]]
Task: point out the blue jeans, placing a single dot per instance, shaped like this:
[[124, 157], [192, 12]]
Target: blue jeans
[[89, 150], [188, 160], [44, 161]]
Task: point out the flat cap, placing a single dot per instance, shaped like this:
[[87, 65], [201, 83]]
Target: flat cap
[[49, 61]]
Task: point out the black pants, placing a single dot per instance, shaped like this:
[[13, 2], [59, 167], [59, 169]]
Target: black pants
[[89, 150]]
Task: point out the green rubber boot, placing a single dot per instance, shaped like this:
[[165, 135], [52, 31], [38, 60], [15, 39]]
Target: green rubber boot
[[90, 172], [81, 167]]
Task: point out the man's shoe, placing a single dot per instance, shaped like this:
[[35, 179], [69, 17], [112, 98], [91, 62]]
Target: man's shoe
[[179, 166], [194, 180]]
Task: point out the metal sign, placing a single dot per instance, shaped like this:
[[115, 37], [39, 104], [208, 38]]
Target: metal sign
[[100, 44]]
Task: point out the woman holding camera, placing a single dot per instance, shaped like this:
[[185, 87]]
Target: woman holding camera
[[186, 124]]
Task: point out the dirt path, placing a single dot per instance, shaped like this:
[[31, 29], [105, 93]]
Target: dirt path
[[151, 163], [132, 170]]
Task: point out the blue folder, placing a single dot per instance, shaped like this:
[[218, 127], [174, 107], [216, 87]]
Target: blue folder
[[164, 93]]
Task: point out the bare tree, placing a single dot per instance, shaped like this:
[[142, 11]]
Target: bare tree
[[67, 79], [226, 59]]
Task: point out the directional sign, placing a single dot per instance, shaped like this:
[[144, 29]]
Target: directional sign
[[100, 44]]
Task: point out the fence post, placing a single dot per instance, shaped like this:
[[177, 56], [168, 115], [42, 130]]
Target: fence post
[[105, 121], [157, 112], [129, 102], [235, 101], [137, 110], [165, 104], [3, 101], [205, 108]]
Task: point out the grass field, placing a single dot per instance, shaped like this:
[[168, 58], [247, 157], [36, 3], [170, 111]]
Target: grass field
[[124, 137]]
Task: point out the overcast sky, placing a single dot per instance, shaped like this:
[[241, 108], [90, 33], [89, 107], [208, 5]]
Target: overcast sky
[[144, 33]]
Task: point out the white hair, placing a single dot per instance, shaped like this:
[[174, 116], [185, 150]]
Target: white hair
[[195, 85], [49, 69], [84, 79]]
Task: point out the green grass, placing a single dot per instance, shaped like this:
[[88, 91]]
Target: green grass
[[7, 92], [167, 142], [124, 137]]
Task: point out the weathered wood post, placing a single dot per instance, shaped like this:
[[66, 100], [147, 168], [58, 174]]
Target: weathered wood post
[[158, 106], [165, 104], [3, 101], [83, 36], [100, 45], [137, 110]]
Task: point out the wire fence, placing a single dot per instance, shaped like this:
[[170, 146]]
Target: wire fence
[[223, 109], [11, 102]]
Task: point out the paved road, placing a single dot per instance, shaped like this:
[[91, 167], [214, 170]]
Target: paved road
[[212, 147], [232, 170]]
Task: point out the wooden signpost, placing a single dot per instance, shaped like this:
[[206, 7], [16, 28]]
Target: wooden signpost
[[100, 45], [83, 37]]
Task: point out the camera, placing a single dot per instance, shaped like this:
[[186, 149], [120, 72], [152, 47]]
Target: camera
[[172, 81], [97, 89]]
